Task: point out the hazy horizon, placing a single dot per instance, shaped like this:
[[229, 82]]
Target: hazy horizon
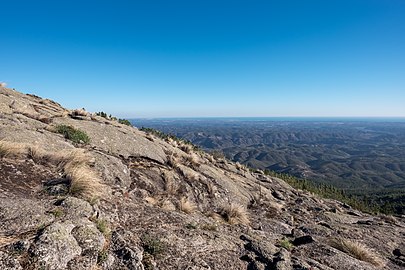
[[179, 59]]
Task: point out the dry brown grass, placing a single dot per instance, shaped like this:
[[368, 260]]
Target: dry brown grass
[[38, 155], [240, 167], [12, 150], [388, 219], [79, 112], [235, 214], [189, 173], [170, 185], [192, 160], [210, 158], [70, 159], [85, 182], [186, 147], [5, 240], [172, 161], [187, 206], [151, 200], [75, 164], [357, 250]]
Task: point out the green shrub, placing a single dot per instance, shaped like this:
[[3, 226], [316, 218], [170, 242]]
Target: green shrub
[[103, 227], [125, 122], [285, 243], [152, 245], [73, 134]]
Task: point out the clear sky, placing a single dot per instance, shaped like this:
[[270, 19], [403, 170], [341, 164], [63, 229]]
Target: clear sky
[[209, 58]]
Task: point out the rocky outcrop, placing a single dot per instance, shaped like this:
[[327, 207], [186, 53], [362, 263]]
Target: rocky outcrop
[[163, 205]]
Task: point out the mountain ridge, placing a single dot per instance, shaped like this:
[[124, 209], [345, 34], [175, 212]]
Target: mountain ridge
[[81, 191]]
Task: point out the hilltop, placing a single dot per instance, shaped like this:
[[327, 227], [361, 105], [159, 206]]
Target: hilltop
[[83, 191]]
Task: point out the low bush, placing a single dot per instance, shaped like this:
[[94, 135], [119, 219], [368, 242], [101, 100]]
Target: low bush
[[124, 122], [153, 245], [73, 134]]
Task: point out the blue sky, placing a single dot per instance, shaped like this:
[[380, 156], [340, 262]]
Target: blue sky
[[209, 58]]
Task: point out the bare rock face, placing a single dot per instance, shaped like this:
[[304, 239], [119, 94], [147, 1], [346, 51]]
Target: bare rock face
[[55, 239], [162, 205], [89, 238], [8, 262]]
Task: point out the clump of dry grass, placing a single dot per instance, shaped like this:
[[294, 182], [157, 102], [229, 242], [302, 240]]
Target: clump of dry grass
[[5, 240], [172, 160], [388, 219], [170, 184], [84, 182], [211, 188], [356, 250], [210, 158], [79, 112], [187, 206], [151, 200], [188, 148], [189, 174], [150, 137], [240, 167], [192, 160], [38, 155], [172, 142], [75, 164], [234, 214], [12, 150]]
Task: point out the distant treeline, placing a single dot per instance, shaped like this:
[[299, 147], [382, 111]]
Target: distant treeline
[[389, 203]]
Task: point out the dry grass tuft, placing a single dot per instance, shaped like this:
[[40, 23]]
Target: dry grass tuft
[[388, 219], [5, 240], [192, 160], [151, 200], [186, 148], [356, 250], [75, 164], [172, 161], [210, 158], [38, 155], [187, 206], [189, 173], [235, 214], [170, 185], [240, 167], [12, 150], [79, 112], [85, 182]]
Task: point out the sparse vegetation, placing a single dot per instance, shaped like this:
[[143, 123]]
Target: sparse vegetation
[[12, 149], [356, 250], [209, 227], [102, 256], [234, 214], [191, 226], [192, 160], [124, 122], [103, 227], [73, 134], [169, 137], [189, 173], [170, 185], [285, 243], [57, 212], [153, 245]]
